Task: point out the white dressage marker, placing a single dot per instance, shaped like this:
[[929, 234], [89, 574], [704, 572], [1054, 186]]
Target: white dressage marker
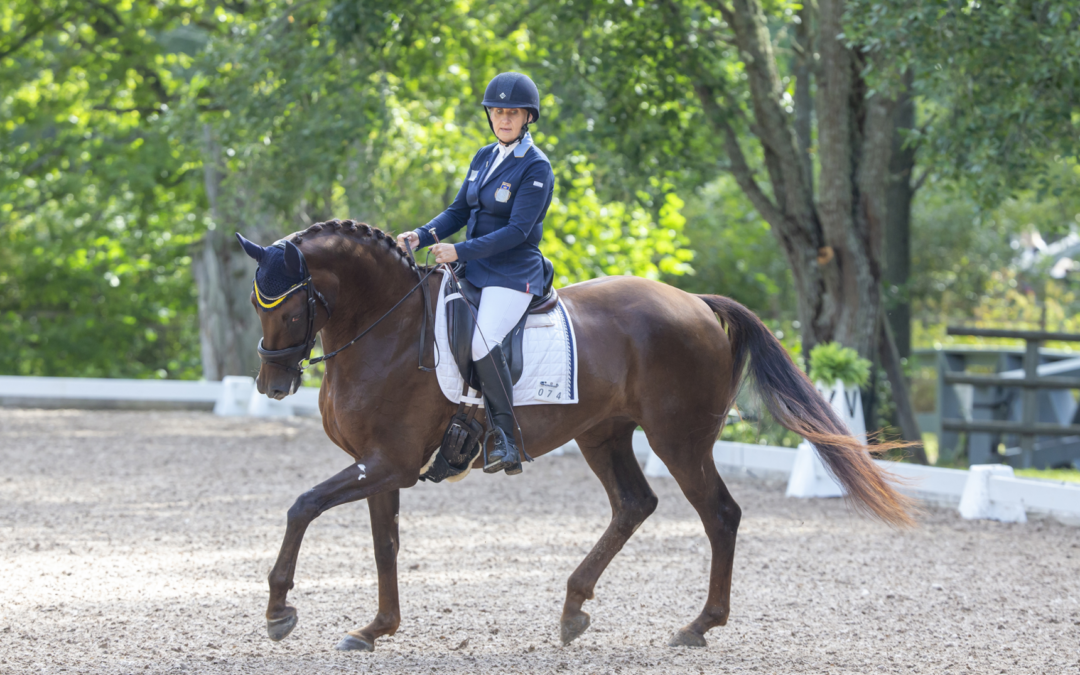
[[809, 477], [235, 395], [977, 502]]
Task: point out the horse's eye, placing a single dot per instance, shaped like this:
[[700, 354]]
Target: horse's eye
[[295, 319]]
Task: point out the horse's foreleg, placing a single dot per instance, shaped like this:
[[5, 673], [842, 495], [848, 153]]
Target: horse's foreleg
[[610, 453], [356, 482], [384, 534]]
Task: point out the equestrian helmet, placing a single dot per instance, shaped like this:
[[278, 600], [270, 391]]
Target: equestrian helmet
[[513, 90]]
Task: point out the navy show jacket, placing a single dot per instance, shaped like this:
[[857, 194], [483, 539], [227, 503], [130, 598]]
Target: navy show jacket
[[504, 216]]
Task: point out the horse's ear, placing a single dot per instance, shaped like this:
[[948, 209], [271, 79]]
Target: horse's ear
[[294, 260], [251, 248]]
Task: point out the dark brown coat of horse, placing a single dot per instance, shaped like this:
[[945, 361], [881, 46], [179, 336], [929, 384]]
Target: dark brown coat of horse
[[650, 355]]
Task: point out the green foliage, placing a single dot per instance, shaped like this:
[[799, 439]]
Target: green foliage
[[334, 108], [832, 361], [585, 237], [99, 198], [1065, 475], [99, 306], [736, 254], [764, 432], [998, 84], [964, 267]]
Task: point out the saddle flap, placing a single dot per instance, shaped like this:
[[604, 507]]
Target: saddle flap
[[462, 300], [460, 323]]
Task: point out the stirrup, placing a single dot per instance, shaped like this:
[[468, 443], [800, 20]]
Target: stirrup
[[512, 468]]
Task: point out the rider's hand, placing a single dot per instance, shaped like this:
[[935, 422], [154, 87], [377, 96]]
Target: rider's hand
[[444, 253], [412, 237]]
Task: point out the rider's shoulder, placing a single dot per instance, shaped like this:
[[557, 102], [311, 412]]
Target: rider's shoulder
[[538, 155]]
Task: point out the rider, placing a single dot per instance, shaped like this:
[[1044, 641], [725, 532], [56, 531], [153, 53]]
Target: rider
[[502, 204]]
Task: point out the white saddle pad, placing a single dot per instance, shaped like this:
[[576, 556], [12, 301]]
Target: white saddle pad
[[549, 372]]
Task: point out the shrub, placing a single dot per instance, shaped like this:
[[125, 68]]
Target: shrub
[[832, 361]]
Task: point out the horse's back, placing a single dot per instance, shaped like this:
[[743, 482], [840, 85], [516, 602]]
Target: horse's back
[[649, 347]]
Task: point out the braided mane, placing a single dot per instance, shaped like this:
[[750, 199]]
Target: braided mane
[[358, 230]]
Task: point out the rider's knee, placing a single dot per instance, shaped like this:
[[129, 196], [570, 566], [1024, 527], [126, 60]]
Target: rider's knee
[[479, 347]]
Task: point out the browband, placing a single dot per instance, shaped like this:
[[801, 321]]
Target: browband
[[269, 303]]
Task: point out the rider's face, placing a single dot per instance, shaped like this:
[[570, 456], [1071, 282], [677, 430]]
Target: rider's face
[[508, 122]]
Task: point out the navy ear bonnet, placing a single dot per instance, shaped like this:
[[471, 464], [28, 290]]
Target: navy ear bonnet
[[282, 271], [273, 275]]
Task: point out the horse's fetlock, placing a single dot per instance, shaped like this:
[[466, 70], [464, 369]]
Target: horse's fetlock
[[388, 622], [578, 593], [715, 616], [279, 581]]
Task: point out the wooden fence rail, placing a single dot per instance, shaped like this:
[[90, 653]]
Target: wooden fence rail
[[1028, 429]]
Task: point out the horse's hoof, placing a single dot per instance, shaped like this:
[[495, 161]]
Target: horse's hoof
[[279, 628], [350, 643], [570, 628], [686, 638]]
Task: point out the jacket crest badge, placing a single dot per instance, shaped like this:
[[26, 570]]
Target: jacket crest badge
[[502, 195]]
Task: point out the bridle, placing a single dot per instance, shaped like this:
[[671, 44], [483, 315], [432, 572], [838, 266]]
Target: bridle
[[274, 356]]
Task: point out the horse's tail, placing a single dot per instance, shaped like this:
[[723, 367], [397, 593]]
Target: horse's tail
[[794, 402]]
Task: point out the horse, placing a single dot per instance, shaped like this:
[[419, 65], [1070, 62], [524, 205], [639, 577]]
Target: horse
[[651, 355]]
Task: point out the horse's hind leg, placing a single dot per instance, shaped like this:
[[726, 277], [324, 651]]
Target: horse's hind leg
[[696, 474], [384, 535], [608, 448]]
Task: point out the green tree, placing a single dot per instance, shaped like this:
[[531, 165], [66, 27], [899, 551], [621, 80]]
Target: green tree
[[343, 109], [99, 199], [997, 86]]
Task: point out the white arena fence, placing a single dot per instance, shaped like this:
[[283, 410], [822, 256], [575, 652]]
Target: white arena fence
[[105, 393], [988, 491]]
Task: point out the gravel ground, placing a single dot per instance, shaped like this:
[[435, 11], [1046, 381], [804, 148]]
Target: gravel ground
[[137, 542]]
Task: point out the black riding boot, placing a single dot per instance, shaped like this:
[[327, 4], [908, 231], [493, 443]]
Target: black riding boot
[[494, 374]]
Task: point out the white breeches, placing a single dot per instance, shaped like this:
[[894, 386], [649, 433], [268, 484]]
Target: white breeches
[[500, 310]]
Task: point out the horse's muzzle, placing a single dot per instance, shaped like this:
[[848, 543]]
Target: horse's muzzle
[[271, 383]]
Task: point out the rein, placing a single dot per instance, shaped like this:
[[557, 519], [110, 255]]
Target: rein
[[423, 279], [271, 356]]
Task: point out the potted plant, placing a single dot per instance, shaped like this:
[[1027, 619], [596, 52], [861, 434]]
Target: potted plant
[[838, 373]]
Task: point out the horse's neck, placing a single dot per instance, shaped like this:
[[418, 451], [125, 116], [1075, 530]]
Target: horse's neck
[[367, 293]]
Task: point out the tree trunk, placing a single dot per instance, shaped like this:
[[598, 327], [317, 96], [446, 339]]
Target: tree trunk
[[229, 328], [833, 244], [804, 101], [898, 227], [854, 145]]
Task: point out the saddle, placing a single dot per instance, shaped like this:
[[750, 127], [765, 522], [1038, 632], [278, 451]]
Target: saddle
[[464, 436], [462, 302]]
